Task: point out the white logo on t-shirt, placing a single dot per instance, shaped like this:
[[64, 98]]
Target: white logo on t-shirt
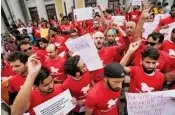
[[134, 16], [112, 102], [54, 70], [146, 88], [85, 89], [171, 52], [57, 44]]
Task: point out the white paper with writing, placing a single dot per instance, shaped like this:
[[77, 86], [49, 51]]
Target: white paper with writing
[[29, 30], [153, 103], [83, 13], [59, 105], [119, 20], [136, 2], [85, 47]]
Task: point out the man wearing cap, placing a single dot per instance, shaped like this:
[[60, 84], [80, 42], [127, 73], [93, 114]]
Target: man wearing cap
[[110, 38], [103, 97]]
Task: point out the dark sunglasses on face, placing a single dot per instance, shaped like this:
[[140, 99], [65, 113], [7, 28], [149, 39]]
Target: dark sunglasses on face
[[27, 49], [151, 43]]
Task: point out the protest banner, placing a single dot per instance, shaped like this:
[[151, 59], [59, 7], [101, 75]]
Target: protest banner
[[58, 105], [136, 2], [83, 14], [167, 32], [152, 103], [44, 32], [120, 20], [85, 47], [29, 30]]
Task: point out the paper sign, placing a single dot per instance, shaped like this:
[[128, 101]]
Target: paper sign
[[136, 2], [120, 20], [44, 32], [153, 103], [148, 28], [167, 31], [85, 47], [29, 30], [96, 9], [59, 105], [83, 14]]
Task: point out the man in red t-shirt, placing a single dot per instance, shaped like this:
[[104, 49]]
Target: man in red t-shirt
[[96, 27], [107, 54], [55, 64], [17, 61], [170, 19], [134, 15], [103, 98], [145, 78], [43, 43], [78, 82], [45, 89], [57, 40]]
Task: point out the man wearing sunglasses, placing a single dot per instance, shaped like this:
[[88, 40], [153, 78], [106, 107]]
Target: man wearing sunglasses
[[78, 82]]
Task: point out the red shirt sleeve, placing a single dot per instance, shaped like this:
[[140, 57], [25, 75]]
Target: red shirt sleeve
[[132, 71], [10, 85], [90, 101]]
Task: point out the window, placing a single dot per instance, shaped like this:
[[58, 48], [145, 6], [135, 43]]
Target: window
[[34, 14], [113, 4], [51, 11], [90, 3]]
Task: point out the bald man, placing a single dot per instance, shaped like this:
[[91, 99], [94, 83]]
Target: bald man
[[55, 63]]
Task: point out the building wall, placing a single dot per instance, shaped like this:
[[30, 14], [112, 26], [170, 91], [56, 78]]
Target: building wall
[[3, 26], [6, 11]]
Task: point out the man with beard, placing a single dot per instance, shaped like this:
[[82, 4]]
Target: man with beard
[[55, 63], [107, 54], [102, 99], [134, 15], [96, 27], [17, 61], [57, 40], [45, 89], [145, 78], [110, 38], [78, 82]]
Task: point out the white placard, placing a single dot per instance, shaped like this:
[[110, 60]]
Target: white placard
[[148, 27], [167, 31], [83, 13], [120, 20], [59, 105], [29, 30], [153, 103], [96, 9], [136, 2], [85, 47]]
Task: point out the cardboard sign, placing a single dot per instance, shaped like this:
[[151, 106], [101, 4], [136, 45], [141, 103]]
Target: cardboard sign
[[152, 103], [44, 32]]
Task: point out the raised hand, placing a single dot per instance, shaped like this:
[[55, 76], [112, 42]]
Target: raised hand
[[34, 65], [134, 46], [146, 10]]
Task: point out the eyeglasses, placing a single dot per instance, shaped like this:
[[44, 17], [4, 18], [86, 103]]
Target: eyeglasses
[[111, 35], [151, 43], [30, 48]]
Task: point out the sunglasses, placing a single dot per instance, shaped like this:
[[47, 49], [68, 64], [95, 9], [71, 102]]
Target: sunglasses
[[151, 43], [30, 48]]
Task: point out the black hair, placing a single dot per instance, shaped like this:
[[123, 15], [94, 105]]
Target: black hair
[[23, 42], [109, 11], [41, 76], [65, 17], [173, 6], [73, 31], [17, 55], [53, 29], [156, 36], [44, 40], [26, 36], [97, 14], [166, 4], [24, 30], [159, 3], [173, 30], [70, 66], [150, 52], [14, 31]]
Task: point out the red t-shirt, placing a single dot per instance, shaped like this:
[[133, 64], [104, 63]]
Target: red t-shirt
[[167, 46], [7, 71], [166, 21], [134, 16], [36, 32], [66, 28], [35, 49], [78, 88], [100, 28], [56, 67], [140, 82], [15, 83], [42, 54], [59, 43], [82, 31], [37, 98], [102, 100]]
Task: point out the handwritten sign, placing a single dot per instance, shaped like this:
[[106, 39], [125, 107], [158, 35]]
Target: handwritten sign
[[85, 47], [83, 13], [44, 32], [136, 2], [59, 105], [120, 20], [153, 103], [167, 31], [29, 30]]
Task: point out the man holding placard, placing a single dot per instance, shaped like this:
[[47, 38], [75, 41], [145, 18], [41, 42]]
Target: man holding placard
[[44, 90]]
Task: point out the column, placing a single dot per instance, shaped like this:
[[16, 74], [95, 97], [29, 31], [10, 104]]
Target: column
[[41, 9]]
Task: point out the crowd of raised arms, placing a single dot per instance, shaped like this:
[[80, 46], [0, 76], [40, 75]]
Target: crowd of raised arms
[[42, 68]]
